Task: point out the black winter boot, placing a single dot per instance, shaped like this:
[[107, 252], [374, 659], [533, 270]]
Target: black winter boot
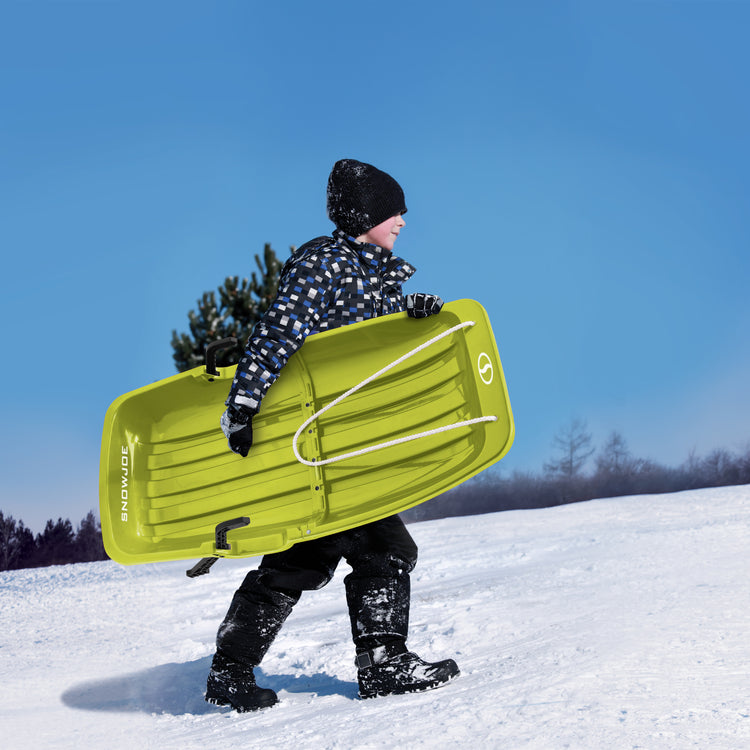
[[232, 684], [392, 670], [255, 617], [378, 608], [379, 612]]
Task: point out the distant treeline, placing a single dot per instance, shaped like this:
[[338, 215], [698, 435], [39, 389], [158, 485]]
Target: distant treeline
[[58, 544], [612, 472]]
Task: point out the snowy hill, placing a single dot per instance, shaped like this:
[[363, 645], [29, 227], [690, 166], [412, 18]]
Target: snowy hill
[[610, 624]]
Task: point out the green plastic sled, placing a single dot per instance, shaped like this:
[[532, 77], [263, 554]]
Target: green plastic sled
[[436, 413]]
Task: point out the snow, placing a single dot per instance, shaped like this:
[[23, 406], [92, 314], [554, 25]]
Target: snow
[[615, 623]]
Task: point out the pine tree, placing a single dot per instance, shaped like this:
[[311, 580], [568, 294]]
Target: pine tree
[[239, 306], [56, 544], [16, 544], [25, 545], [88, 542], [8, 552]]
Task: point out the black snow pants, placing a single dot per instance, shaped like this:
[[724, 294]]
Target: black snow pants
[[381, 554]]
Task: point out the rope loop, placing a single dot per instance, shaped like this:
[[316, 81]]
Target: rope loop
[[397, 441]]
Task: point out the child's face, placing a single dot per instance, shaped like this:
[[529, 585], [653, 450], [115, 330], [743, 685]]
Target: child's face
[[385, 233]]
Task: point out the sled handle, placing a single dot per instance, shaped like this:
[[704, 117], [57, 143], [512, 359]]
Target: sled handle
[[397, 441], [224, 526], [204, 566], [213, 348]]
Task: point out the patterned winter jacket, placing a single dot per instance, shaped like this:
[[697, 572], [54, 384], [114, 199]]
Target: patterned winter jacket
[[327, 283]]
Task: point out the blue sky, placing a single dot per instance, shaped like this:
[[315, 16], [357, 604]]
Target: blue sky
[[580, 168]]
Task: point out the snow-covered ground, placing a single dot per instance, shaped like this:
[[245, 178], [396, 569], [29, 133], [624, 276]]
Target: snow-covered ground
[[609, 624]]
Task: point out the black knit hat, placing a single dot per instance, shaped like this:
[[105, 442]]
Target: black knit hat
[[360, 197]]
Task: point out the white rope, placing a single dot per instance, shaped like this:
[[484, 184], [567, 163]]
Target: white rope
[[369, 379]]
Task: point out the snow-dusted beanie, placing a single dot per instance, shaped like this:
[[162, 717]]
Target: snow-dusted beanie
[[360, 197]]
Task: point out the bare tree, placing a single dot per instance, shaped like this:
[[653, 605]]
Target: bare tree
[[573, 446], [616, 468], [720, 469], [615, 458], [743, 465]]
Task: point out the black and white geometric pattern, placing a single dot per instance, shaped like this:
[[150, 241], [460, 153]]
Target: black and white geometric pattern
[[327, 283]]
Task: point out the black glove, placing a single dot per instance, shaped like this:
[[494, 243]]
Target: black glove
[[238, 427], [422, 305]]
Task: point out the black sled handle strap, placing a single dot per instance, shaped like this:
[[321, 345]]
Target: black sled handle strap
[[203, 566]]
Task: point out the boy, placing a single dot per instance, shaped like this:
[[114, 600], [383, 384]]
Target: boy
[[327, 283]]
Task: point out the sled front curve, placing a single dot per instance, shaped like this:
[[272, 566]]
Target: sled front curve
[[168, 479]]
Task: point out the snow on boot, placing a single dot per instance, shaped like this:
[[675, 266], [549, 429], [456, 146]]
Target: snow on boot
[[232, 685], [392, 670], [255, 616]]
